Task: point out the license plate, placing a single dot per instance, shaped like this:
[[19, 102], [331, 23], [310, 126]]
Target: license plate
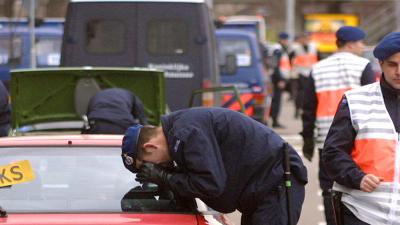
[[16, 173]]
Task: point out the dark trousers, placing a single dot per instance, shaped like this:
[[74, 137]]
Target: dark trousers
[[326, 184], [104, 127], [4, 129], [271, 210], [349, 218], [328, 208], [302, 82], [276, 103]]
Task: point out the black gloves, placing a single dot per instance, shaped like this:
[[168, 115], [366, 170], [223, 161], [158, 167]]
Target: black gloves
[[153, 173], [308, 148]]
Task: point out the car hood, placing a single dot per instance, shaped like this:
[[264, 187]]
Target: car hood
[[62, 94], [99, 219]]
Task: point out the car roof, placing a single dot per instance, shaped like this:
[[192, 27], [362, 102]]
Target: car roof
[[63, 140], [235, 32], [38, 31], [184, 1]]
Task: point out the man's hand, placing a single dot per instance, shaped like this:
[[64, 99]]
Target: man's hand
[[369, 183], [153, 173], [281, 84], [226, 220], [308, 148]]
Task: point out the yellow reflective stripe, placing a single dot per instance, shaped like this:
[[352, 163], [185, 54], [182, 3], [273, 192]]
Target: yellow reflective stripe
[[16, 173]]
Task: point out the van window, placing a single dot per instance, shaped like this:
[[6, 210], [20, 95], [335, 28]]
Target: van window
[[167, 37], [48, 52], [238, 47], [105, 36], [10, 51]]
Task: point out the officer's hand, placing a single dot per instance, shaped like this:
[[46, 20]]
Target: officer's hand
[[369, 183], [308, 148], [281, 84], [226, 220], [153, 173]]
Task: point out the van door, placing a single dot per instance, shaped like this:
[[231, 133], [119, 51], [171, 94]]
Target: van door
[[100, 34], [171, 38]]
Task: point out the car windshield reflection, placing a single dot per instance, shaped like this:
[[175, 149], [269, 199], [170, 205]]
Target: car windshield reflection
[[81, 179]]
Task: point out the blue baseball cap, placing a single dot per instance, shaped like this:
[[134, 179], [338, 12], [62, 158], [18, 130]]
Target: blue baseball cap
[[349, 33], [283, 35], [130, 148], [389, 45]]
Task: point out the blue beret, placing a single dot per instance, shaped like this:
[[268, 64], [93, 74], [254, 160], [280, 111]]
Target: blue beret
[[348, 33], [388, 46], [283, 35], [129, 147]]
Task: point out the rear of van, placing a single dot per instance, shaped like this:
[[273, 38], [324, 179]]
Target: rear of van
[[249, 77], [175, 36]]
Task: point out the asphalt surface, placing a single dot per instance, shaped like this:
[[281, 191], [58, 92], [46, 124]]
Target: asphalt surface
[[312, 212]]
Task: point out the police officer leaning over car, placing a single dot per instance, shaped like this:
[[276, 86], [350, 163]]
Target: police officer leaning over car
[[361, 151], [223, 157], [113, 110]]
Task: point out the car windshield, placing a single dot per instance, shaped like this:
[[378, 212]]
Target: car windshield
[[48, 51], [79, 180], [10, 51], [238, 47]]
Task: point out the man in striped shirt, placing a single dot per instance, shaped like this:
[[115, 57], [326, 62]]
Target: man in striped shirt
[[328, 81]]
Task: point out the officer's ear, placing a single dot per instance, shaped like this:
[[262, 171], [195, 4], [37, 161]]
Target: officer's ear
[[149, 148]]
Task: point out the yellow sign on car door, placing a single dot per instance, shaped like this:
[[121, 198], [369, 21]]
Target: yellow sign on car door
[[15, 173]]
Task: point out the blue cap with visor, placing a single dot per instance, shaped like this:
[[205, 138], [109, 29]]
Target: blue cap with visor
[[130, 148]]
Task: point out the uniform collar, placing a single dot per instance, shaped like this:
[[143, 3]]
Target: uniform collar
[[343, 53], [171, 140]]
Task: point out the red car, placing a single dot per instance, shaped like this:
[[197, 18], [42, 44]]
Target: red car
[[80, 179]]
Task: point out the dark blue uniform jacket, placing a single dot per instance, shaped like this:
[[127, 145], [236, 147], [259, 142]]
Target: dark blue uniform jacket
[[227, 159], [5, 111], [118, 106], [340, 140]]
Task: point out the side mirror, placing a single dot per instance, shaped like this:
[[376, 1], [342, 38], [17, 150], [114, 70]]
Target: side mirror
[[230, 64]]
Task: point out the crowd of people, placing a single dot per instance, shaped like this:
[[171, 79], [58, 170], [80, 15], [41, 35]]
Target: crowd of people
[[291, 65]]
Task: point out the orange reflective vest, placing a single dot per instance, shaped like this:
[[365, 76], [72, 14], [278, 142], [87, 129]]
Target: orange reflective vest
[[332, 77], [304, 60], [375, 143], [284, 65], [284, 62]]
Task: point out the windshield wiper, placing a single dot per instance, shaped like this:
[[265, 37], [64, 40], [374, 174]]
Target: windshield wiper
[[3, 213]]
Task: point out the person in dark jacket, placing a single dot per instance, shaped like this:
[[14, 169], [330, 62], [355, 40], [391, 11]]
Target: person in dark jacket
[[5, 111], [369, 114], [223, 157], [113, 110], [281, 71]]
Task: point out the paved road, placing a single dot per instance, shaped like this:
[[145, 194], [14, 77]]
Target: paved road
[[312, 213]]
